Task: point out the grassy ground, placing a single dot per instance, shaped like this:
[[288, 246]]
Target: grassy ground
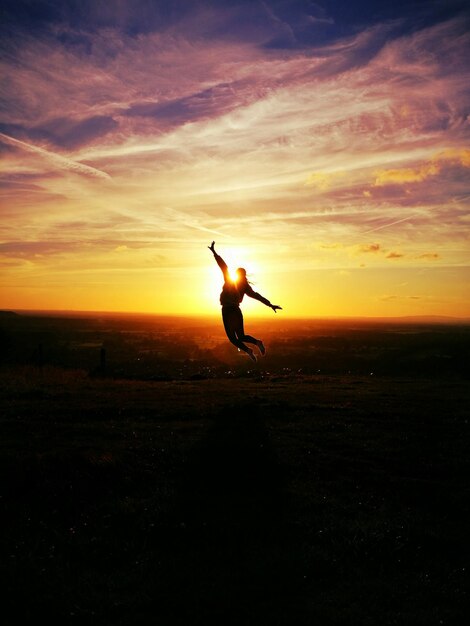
[[282, 501]]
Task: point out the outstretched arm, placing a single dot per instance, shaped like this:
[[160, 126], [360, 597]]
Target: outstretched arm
[[220, 262], [258, 296]]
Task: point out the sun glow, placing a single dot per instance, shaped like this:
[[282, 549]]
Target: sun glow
[[235, 257], [238, 256], [233, 275]]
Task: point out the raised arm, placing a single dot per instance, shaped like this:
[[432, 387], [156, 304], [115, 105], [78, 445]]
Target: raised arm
[[257, 296], [220, 262]]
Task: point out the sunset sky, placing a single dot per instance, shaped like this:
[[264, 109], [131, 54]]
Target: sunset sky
[[324, 146]]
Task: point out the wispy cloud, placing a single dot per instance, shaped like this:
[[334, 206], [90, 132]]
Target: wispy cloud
[[388, 225], [368, 248], [56, 160], [429, 256], [387, 298]]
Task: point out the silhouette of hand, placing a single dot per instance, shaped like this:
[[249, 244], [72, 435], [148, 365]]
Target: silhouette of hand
[[275, 306], [211, 247]]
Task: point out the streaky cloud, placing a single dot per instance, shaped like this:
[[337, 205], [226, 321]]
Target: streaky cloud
[[388, 225], [56, 159], [189, 221]]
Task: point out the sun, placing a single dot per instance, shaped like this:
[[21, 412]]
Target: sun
[[233, 274], [235, 257]]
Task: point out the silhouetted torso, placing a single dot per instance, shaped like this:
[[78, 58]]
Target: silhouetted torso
[[232, 294]]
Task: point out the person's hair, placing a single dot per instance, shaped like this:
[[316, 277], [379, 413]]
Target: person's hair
[[242, 272]]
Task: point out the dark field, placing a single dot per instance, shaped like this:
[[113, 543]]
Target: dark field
[[151, 475]]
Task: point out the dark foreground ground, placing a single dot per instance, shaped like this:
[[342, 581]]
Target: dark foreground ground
[[282, 500]]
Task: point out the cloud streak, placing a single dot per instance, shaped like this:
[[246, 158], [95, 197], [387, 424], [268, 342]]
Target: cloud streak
[[56, 159]]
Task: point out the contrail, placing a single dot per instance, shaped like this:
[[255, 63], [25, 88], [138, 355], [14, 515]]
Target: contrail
[[56, 159], [184, 218], [372, 230], [205, 230]]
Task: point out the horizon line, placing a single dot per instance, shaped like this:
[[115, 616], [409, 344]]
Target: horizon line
[[74, 312]]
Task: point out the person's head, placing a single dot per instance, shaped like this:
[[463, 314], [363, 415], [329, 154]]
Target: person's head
[[240, 274]]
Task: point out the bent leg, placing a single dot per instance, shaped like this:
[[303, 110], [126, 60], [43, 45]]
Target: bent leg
[[240, 330], [248, 338], [233, 324], [257, 342]]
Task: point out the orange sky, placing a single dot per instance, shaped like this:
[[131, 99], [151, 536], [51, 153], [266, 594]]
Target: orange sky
[[333, 167]]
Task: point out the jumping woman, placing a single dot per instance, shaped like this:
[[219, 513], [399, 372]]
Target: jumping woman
[[230, 299]]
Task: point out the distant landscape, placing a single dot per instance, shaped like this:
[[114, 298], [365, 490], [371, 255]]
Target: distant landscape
[[175, 348], [152, 474]]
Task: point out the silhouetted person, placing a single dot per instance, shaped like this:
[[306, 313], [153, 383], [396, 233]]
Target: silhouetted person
[[230, 299]]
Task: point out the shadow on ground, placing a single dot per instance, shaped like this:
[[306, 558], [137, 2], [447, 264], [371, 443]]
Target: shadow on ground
[[230, 557]]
